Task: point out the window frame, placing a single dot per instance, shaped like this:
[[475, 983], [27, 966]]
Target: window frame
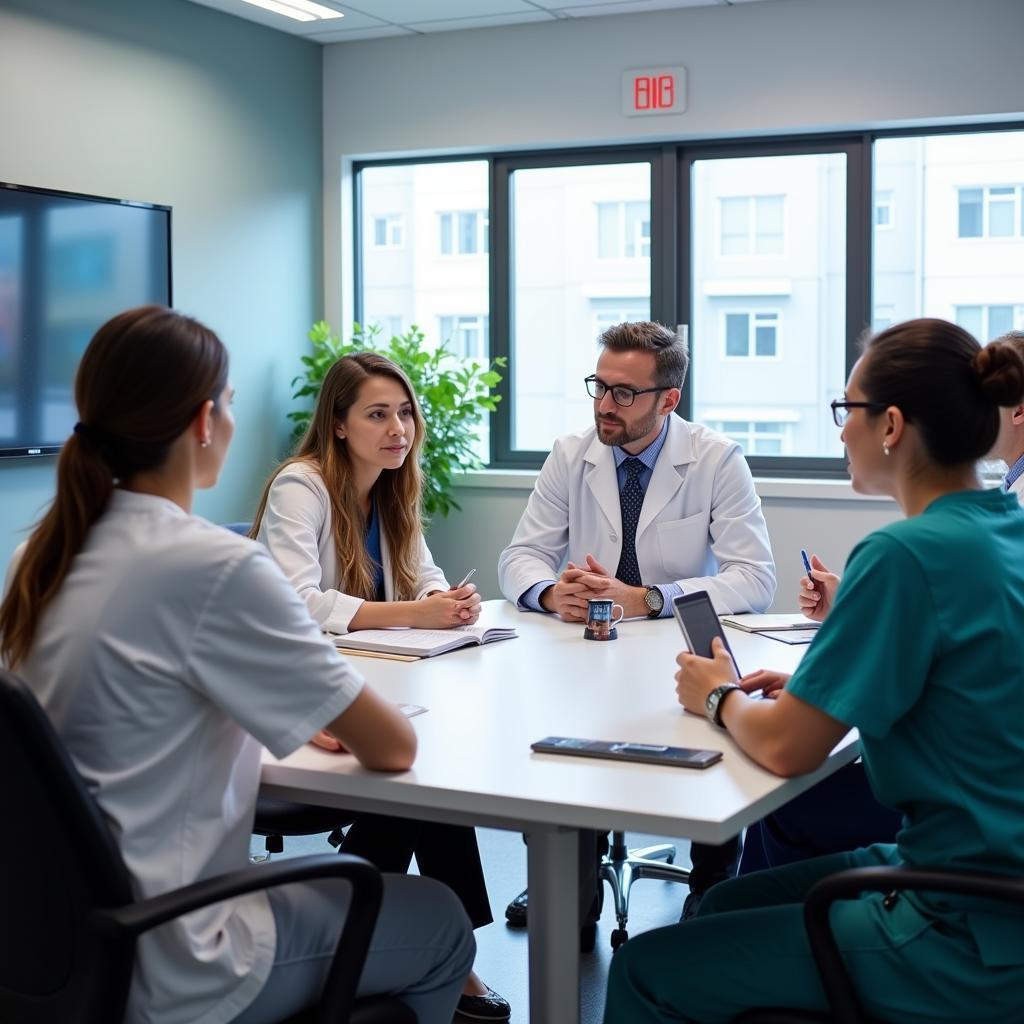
[[670, 302]]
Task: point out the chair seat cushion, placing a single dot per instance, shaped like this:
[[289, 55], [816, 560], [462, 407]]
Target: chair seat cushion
[[285, 818]]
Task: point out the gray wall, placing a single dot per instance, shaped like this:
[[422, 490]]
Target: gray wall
[[170, 102], [753, 69]]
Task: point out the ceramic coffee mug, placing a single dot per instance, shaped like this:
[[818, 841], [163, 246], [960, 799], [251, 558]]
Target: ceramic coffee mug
[[601, 618]]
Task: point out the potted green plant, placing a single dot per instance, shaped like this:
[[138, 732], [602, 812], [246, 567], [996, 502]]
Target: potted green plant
[[454, 395]]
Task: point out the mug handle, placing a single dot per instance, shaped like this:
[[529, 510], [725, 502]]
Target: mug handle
[[622, 612]]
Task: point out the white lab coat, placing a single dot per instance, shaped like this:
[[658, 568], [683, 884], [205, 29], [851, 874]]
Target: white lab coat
[[700, 526], [297, 529], [173, 651]]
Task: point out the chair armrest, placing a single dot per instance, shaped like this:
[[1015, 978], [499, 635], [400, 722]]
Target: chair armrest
[[846, 1007], [350, 955]]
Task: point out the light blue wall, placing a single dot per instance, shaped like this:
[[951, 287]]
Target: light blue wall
[[169, 102]]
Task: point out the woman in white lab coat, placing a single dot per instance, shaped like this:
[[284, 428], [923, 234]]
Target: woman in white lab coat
[[342, 519]]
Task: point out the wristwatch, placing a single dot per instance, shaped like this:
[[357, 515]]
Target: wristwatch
[[713, 703], [655, 601]]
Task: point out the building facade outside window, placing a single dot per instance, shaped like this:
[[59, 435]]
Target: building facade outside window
[[466, 336], [752, 225], [624, 230], [750, 335]]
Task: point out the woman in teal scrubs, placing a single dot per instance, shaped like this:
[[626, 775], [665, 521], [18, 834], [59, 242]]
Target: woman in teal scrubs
[[921, 653]]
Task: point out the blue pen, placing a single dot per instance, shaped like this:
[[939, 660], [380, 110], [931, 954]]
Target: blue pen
[[807, 566]]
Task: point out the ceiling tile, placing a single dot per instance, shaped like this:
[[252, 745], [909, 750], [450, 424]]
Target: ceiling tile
[[568, 5], [454, 24], [593, 9], [405, 12]]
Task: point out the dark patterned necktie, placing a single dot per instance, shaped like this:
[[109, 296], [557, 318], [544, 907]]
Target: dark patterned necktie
[[631, 499]]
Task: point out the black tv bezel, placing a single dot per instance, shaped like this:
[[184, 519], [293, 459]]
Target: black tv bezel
[[37, 451]]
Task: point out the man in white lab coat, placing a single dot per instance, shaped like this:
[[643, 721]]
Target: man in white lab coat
[[1009, 444], [641, 507]]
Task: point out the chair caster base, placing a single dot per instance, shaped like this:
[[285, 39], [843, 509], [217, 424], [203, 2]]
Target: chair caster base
[[619, 937]]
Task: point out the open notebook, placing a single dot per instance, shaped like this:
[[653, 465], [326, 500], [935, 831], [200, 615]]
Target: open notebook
[[769, 623], [420, 643]]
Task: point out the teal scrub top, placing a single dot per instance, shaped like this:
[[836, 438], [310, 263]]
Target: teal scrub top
[[922, 653]]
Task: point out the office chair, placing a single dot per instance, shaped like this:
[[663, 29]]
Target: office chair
[[621, 867], [842, 997], [70, 920]]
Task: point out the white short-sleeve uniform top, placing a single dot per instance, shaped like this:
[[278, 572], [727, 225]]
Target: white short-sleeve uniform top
[[297, 529], [172, 651]]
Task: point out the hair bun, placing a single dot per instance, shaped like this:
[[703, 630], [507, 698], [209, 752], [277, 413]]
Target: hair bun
[[999, 371]]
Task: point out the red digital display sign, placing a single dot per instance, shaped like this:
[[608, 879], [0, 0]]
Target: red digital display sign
[[654, 91]]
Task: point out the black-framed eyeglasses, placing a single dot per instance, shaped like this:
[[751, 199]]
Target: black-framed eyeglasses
[[841, 410], [622, 394]]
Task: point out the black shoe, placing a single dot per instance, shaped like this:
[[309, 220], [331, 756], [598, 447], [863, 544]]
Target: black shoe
[[588, 938], [691, 905], [489, 1006], [515, 912]]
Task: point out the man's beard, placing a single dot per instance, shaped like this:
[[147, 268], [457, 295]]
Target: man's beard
[[625, 435]]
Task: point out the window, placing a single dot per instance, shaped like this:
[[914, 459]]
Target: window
[[756, 437], [624, 230], [466, 335], [463, 233], [735, 240], [988, 322], [751, 335], [883, 208], [564, 290], [388, 231], [952, 187], [751, 225], [418, 285], [996, 211]]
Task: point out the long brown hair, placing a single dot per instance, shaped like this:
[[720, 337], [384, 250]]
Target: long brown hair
[[142, 380], [397, 491]]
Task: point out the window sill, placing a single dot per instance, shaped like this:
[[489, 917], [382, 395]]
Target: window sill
[[767, 487]]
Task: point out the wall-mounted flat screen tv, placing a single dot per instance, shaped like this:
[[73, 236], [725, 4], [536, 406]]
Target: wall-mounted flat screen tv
[[68, 263]]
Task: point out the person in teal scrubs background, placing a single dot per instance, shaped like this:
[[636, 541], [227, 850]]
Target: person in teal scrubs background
[[920, 652]]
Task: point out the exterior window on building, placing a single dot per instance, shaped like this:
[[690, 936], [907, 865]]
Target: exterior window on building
[[883, 208], [988, 322], [464, 232], [466, 336], [751, 335], [752, 226], [388, 231], [624, 230], [756, 437], [996, 211]]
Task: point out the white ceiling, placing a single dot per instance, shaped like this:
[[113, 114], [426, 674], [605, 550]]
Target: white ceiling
[[375, 19]]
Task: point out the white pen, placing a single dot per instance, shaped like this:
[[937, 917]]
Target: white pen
[[465, 579]]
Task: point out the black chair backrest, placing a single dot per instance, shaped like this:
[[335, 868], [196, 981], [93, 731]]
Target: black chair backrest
[[58, 862]]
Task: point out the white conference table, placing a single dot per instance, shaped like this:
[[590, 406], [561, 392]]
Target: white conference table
[[487, 704]]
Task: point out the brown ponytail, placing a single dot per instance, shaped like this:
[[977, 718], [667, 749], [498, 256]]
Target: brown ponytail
[[141, 381]]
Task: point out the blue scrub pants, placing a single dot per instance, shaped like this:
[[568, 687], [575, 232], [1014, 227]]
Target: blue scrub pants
[[421, 952]]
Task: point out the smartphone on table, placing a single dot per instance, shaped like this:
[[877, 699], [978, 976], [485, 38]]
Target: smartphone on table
[[645, 753]]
